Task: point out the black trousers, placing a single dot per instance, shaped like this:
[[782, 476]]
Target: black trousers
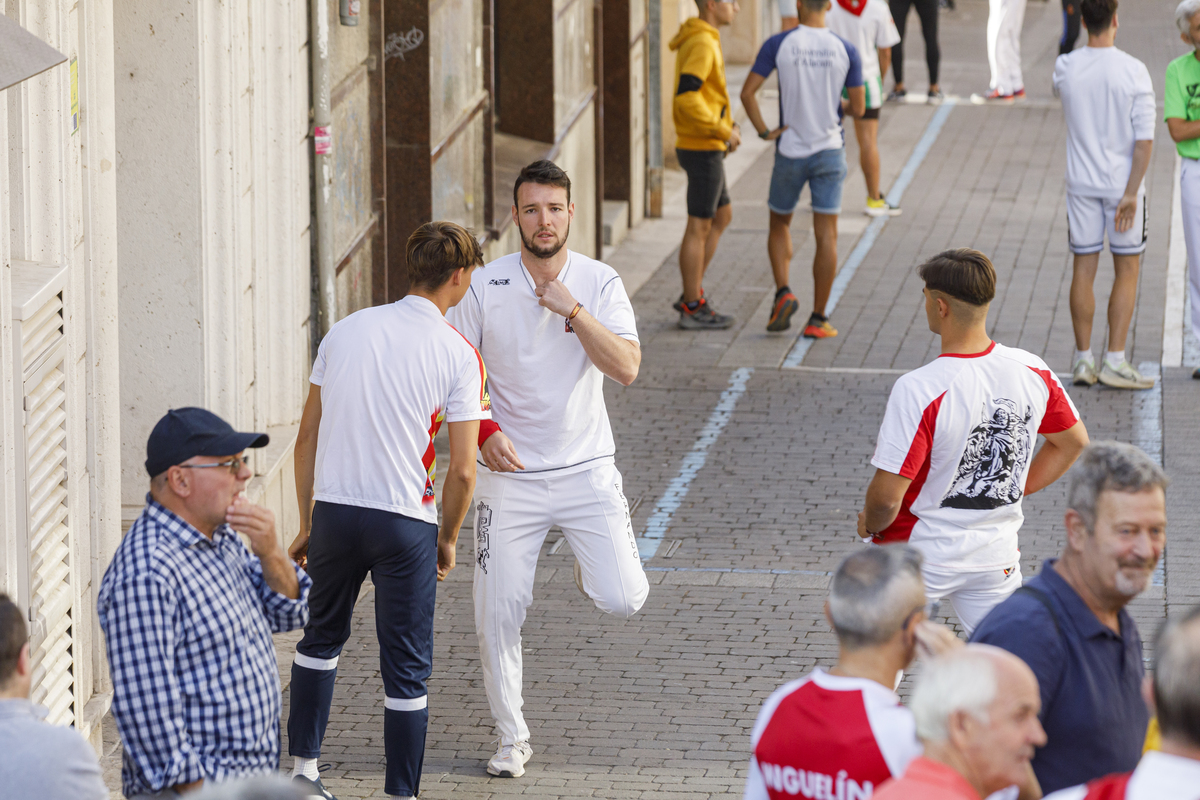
[[1071, 24], [927, 11]]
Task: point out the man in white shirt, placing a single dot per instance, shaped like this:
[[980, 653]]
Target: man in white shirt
[[868, 25], [1005, 18], [384, 381], [1108, 102], [1173, 771], [815, 66], [551, 323], [955, 455]]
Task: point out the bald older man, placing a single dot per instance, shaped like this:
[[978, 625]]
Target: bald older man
[[976, 711]]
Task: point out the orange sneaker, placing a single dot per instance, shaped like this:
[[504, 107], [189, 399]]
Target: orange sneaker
[[781, 315], [818, 328]]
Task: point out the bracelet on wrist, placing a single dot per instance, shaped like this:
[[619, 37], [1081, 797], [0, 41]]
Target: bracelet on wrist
[[575, 311], [764, 134]]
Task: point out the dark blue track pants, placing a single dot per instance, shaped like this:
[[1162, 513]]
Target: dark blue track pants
[[346, 543]]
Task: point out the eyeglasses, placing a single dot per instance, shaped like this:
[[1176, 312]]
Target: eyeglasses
[[234, 464]]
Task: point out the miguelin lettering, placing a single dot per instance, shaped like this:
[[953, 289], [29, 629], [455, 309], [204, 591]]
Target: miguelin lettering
[[815, 785]]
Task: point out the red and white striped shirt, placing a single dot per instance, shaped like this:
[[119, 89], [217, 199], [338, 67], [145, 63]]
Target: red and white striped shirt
[[829, 736], [963, 429]]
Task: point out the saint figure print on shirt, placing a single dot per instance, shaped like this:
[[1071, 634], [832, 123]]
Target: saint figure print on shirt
[[996, 455]]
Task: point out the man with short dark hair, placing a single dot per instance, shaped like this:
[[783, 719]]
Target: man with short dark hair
[[551, 324], [704, 133], [955, 455], [1108, 102], [1070, 625], [188, 613], [38, 761], [384, 381]]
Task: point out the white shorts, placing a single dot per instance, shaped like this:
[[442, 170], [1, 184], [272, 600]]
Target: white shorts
[[1089, 218], [973, 594]]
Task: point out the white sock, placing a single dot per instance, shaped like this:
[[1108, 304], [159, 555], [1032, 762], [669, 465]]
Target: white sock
[[1115, 357], [1085, 355], [306, 767]]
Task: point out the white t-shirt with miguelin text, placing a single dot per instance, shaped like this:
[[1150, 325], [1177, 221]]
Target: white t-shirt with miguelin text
[[547, 395], [389, 376]]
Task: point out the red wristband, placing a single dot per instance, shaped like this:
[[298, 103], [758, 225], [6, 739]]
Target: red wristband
[[486, 428]]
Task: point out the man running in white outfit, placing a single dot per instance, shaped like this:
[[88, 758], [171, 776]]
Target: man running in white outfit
[[955, 455], [1108, 101], [1005, 18], [550, 323]]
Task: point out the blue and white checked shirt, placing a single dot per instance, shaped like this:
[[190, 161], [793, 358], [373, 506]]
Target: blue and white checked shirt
[[188, 623]]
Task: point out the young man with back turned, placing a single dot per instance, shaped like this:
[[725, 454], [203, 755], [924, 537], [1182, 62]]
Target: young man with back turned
[[551, 324], [1108, 102], [955, 455]]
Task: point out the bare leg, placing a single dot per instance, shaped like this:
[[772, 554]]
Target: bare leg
[[866, 131], [720, 222], [779, 247], [825, 261], [1122, 300], [691, 256], [1083, 298]]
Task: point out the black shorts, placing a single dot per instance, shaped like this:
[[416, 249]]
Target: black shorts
[[706, 181], [870, 113]]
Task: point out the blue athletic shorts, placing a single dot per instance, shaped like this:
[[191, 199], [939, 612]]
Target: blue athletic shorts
[[824, 172]]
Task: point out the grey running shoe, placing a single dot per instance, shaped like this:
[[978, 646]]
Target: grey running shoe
[[1123, 376], [678, 304], [1084, 373], [703, 319], [315, 790], [1196, 374], [897, 95], [935, 97], [510, 760]]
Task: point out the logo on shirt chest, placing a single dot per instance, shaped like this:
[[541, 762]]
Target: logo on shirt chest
[[997, 452], [498, 282]]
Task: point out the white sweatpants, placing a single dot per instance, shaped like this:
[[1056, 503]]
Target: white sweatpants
[[1189, 196], [973, 594], [1005, 18], [512, 518]]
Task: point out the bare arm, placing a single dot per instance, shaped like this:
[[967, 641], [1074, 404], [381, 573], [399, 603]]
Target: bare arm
[[884, 496], [617, 358], [456, 494], [1056, 457], [305, 458], [750, 103], [1181, 130], [858, 100], [885, 59], [1128, 205]]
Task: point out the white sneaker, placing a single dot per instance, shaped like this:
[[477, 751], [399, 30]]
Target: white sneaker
[[510, 760], [1084, 373], [1123, 376]]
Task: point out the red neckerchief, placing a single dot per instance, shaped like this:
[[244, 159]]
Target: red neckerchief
[[855, 7]]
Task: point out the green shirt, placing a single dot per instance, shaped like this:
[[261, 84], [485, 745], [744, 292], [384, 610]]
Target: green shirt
[[1182, 98]]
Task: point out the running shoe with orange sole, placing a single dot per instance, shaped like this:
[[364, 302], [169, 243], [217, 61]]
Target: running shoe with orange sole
[[819, 329], [781, 315]]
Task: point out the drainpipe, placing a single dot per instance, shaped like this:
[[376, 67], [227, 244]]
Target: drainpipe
[[323, 168], [654, 147]]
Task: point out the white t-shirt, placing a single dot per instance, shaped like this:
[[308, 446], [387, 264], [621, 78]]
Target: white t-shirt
[[1159, 776], [547, 395], [871, 29], [963, 429], [814, 66], [1108, 101], [823, 728], [389, 376]]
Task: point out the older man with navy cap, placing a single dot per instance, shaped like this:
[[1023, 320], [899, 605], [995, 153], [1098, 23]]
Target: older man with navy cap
[[188, 614]]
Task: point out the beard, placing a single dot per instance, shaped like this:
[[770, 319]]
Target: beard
[[545, 251], [1133, 585]]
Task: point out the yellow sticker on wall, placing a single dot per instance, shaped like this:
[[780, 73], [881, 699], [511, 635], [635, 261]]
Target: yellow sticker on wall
[[74, 95]]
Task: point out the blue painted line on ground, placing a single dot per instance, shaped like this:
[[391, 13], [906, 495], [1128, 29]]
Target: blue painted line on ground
[[693, 462], [795, 356], [742, 571]]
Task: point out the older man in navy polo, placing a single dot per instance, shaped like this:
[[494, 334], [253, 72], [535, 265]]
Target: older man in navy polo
[[1069, 623]]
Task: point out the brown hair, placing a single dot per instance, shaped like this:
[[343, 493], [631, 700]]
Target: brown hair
[[13, 636], [546, 173], [1097, 15], [963, 274], [438, 248]]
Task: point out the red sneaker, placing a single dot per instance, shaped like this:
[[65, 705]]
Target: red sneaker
[[781, 315]]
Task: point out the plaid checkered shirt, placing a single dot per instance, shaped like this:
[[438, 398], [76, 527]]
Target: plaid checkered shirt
[[188, 623]]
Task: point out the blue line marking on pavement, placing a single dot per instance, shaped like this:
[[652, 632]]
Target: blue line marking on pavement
[[859, 254], [693, 462], [1148, 435]]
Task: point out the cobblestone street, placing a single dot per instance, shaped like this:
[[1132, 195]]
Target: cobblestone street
[[661, 705]]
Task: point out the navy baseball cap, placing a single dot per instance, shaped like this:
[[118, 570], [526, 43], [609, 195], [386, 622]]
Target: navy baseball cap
[[187, 432]]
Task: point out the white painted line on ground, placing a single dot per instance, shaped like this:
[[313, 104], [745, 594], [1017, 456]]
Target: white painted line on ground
[[742, 571], [1148, 434], [796, 357], [1172, 343], [693, 462]]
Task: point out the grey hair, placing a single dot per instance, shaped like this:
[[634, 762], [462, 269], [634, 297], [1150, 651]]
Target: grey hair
[[873, 592], [1111, 467], [963, 680], [262, 787], [1184, 13], [1177, 678]]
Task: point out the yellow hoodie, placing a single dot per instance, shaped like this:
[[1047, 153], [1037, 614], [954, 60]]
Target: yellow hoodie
[[701, 106]]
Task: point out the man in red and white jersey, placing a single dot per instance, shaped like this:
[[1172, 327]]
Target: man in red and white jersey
[[842, 733], [1173, 771], [955, 454], [551, 324]]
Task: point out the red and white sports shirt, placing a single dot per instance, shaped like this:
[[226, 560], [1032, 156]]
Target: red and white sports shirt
[[829, 736], [963, 429]]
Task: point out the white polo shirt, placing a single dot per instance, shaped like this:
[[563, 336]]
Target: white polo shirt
[[547, 395], [389, 376]]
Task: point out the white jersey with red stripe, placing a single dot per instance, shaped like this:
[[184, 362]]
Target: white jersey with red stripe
[[1159, 776], [963, 429], [829, 736], [389, 376]]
